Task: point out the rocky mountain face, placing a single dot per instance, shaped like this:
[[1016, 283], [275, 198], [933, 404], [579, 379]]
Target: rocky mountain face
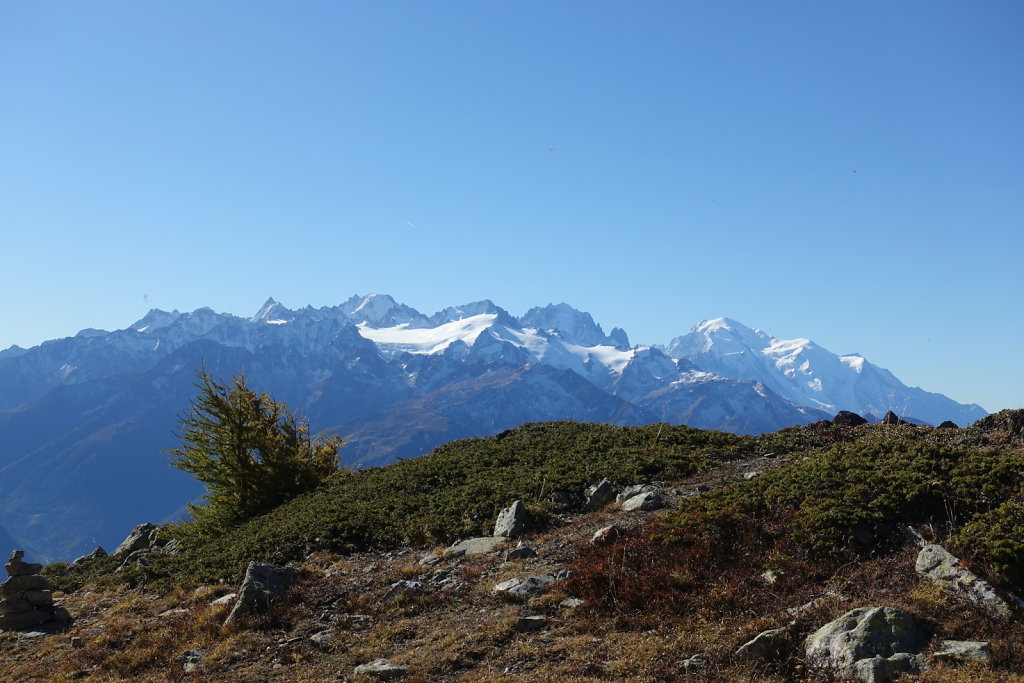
[[83, 419]]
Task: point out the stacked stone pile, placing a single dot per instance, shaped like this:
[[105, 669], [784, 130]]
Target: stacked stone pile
[[26, 598]]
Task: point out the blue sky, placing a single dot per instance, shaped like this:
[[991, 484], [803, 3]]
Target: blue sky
[[850, 171]]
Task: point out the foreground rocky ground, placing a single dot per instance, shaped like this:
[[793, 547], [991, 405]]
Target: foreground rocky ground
[[557, 604]]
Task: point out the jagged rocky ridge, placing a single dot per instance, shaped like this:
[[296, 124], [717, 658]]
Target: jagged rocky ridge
[[83, 418]]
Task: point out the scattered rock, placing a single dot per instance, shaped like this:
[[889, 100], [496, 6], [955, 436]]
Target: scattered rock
[[475, 546], [511, 521], [224, 600], [599, 495], [191, 659], [770, 576], [571, 603], [767, 645], [429, 560], [650, 500], [172, 613], [879, 669], [522, 552], [142, 537], [694, 663], [523, 588], [963, 651], [751, 475], [323, 637], [94, 555], [845, 418], [262, 583], [631, 491], [605, 535], [867, 633], [401, 588], [530, 624], [382, 669], [892, 419], [561, 498], [77, 642], [939, 566]]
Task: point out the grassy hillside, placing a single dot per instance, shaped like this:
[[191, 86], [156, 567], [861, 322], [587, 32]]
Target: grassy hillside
[[825, 510]]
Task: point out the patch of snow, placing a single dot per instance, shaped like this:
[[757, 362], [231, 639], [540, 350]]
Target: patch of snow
[[428, 340]]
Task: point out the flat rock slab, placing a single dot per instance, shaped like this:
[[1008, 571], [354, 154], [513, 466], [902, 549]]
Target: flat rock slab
[[963, 651], [476, 546], [941, 567]]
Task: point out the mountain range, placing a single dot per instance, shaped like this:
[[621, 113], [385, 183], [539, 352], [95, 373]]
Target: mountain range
[[83, 420]]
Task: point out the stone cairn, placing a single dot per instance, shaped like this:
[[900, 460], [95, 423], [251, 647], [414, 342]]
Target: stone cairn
[[26, 598]]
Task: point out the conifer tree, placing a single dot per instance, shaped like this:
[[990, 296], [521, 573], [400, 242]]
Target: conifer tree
[[251, 451]]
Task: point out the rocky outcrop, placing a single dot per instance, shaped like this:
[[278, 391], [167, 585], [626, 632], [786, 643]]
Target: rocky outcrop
[[94, 555], [869, 644], [262, 583], [948, 424], [142, 537], [511, 521], [845, 418], [941, 567], [26, 598]]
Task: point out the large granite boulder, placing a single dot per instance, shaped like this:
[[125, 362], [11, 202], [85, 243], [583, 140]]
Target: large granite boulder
[[262, 583], [941, 567], [869, 644]]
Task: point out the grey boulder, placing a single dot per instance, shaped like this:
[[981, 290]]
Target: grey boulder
[[262, 583], [511, 521], [886, 634], [939, 566]]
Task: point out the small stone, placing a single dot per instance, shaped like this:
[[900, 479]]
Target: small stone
[[751, 475], [605, 535], [571, 603], [694, 663], [631, 491], [172, 613], [767, 645], [770, 576], [76, 642], [429, 560], [525, 588], [402, 588], [963, 651], [191, 659], [523, 552], [323, 637], [262, 583], [530, 624], [224, 600], [382, 669]]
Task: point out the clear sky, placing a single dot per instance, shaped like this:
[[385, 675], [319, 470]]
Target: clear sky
[[848, 171]]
